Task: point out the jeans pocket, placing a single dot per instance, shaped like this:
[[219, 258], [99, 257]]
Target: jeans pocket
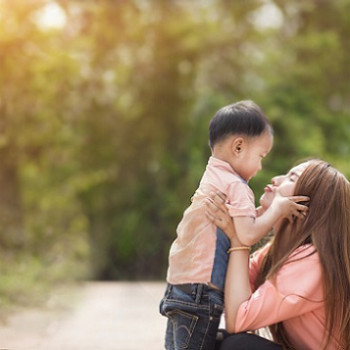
[[183, 325]]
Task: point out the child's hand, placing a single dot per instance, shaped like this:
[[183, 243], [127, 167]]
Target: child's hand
[[289, 208]]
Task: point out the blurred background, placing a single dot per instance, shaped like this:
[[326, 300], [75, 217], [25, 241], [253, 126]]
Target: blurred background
[[104, 112]]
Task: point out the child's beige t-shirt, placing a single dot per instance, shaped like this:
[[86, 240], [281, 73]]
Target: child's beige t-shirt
[[192, 254]]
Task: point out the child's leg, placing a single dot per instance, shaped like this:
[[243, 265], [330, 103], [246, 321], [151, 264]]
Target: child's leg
[[193, 312], [169, 336], [216, 305], [169, 333]]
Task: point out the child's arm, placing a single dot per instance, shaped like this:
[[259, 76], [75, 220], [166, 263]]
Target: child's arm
[[259, 211], [250, 230]]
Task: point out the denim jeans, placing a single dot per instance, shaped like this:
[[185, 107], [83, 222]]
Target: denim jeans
[[193, 312]]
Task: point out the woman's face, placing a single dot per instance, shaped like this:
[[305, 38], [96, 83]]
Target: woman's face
[[284, 184]]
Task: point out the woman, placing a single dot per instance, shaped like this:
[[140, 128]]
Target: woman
[[299, 283]]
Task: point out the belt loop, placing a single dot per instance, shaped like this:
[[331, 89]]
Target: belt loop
[[169, 288], [199, 293]]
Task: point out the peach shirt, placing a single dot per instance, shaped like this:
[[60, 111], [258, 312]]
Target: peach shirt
[[295, 298], [192, 254]]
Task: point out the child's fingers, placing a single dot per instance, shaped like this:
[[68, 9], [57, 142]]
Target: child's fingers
[[299, 198], [290, 219], [299, 215], [301, 207], [300, 210]]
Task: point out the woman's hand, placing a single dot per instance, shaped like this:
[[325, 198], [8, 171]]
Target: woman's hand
[[217, 213]]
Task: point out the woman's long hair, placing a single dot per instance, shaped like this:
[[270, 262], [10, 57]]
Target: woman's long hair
[[327, 228]]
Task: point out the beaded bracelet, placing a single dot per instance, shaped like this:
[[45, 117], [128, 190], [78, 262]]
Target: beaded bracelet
[[233, 249]]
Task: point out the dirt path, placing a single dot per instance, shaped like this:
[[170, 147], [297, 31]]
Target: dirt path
[[97, 316]]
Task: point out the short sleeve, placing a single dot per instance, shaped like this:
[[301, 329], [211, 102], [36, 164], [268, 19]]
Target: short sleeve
[[255, 263], [240, 200]]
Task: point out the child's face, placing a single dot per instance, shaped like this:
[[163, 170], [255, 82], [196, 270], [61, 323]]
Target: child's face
[[254, 150]]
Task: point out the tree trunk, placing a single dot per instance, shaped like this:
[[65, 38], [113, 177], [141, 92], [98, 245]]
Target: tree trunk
[[11, 220]]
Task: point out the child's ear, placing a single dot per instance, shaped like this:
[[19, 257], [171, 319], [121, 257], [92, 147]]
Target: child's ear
[[237, 145]]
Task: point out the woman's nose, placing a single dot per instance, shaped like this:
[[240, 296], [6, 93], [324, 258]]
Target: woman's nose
[[276, 180]]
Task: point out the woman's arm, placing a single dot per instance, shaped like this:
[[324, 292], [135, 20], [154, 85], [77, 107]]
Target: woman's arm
[[273, 301], [237, 286]]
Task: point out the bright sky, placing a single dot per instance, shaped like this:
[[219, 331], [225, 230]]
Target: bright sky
[[51, 16], [268, 16]]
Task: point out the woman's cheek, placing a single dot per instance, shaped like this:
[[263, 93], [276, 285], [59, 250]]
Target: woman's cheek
[[287, 190]]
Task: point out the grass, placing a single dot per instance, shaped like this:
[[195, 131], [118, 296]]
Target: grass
[[28, 280]]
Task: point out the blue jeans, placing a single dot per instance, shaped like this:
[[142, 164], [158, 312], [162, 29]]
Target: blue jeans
[[193, 312]]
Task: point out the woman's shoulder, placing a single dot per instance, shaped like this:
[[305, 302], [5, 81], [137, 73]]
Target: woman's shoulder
[[302, 257], [306, 251], [302, 273]]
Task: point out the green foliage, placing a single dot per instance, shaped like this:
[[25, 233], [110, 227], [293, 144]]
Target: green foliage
[[104, 120]]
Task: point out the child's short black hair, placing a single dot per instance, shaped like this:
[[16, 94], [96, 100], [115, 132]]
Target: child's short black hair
[[243, 117]]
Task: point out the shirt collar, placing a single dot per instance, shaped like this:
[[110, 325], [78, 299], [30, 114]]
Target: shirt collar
[[218, 163]]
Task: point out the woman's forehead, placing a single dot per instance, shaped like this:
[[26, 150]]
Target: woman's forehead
[[298, 169]]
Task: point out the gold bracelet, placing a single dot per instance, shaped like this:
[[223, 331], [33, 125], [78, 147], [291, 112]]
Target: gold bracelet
[[233, 249]]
